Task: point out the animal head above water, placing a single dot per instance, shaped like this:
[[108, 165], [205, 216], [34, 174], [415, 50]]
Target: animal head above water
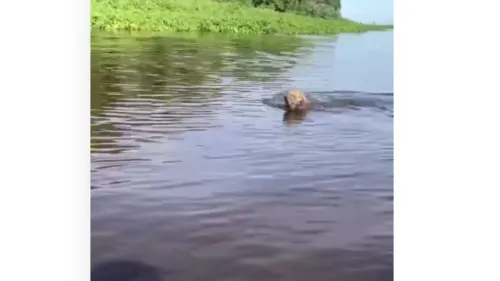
[[296, 100]]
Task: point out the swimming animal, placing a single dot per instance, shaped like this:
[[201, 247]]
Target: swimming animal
[[296, 100]]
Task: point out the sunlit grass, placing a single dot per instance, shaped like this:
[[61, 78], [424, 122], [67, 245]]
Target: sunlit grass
[[210, 16]]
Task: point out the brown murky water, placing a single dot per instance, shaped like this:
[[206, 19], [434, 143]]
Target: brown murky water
[[198, 175]]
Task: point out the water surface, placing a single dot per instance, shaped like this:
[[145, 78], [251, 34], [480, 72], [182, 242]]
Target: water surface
[[197, 174]]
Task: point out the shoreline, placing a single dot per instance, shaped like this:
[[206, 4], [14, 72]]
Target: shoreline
[[208, 16]]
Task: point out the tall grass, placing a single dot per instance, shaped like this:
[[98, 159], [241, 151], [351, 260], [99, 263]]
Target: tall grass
[[210, 16]]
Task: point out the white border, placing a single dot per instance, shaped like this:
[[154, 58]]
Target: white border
[[446, 119], [45, 137], [445, 122]]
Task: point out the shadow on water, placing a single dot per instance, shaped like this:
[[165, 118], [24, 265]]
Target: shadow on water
[[125, 271], [316, 266]]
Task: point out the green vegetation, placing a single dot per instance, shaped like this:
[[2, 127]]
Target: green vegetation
[[327, 9], [226, 16]]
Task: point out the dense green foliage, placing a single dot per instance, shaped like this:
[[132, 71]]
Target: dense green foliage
[[215, 16], [328, 9]]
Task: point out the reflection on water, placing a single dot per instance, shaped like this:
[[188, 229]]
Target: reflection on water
[[198, 174], [295, 117], [146, 88]]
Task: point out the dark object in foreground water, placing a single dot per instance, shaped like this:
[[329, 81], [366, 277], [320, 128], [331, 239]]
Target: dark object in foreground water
[[296, 100], [125, 271]]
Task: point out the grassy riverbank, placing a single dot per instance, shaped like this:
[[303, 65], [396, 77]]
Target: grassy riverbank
[[210, 16]]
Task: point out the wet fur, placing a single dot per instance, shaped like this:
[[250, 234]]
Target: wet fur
[[296, 100]]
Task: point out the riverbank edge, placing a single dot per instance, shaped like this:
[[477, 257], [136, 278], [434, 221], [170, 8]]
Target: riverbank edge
[[220, 18]]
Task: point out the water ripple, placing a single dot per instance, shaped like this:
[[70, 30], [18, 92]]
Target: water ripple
[[197, 174]]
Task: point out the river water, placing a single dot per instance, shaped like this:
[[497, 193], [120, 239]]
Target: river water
[[197, 174]]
